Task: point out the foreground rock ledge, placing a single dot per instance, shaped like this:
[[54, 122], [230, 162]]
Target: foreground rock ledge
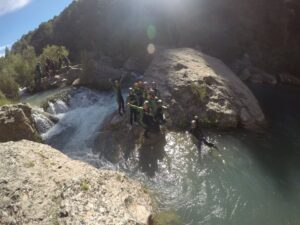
[[40, 185], [193, 83]]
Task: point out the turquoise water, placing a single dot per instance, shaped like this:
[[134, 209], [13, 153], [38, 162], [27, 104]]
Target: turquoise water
[[259, 183], [251, 179]]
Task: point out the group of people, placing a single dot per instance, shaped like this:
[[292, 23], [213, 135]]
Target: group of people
[[145, 105], [49, 68], [147, 109]]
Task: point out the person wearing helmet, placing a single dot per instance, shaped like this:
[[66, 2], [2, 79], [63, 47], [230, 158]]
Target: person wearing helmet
[[159, 116], [152, 101], [196, 132], [155, 90], [146, 117], [118, 92], [133, 100], [138, 91]]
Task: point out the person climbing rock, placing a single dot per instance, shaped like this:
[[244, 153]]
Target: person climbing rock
[[196, 131], [133, 100], [38, 75], [146, 117], [118, 92], [159, 114]]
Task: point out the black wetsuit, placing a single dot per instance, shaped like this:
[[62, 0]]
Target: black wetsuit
[[119, 96], [132, 99], [159, 116], [197, 133]]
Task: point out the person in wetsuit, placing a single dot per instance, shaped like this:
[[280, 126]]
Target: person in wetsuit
[[146, 117], [159, 113], [118, 92], [196, 131], [133, 100]]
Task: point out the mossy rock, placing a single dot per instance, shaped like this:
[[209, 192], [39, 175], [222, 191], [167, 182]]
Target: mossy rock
[[199, 90]]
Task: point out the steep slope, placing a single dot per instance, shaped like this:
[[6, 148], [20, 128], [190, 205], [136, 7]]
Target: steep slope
[[266, 30]]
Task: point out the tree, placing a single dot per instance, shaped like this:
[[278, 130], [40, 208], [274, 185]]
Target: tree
[[54, 53], [6, 51]]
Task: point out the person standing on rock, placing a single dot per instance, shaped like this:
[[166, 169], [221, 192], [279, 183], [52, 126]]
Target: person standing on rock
[[118, 92], [159, 114], [139, 93], [146, 117], [154, 88], [133, 100]]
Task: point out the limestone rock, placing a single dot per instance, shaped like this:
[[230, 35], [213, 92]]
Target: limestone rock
[[16, 123], [40, 185], [193, 83]]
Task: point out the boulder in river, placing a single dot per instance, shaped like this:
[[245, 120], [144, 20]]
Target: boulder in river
[[193, 83], [40, 185], [17, 123]]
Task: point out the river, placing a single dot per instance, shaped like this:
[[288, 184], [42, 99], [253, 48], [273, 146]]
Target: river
[[253, 178]]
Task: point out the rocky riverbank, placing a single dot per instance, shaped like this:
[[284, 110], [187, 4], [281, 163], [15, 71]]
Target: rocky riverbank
[[40, 185]]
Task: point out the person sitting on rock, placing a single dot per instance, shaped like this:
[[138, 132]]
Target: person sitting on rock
[[146, 117], [133, 100], [118, 92], [196, 131]]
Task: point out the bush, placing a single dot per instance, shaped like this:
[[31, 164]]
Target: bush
[[3, 99], [8, 86], [53, 52]]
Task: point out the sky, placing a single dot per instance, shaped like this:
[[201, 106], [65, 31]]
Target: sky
[[18, 17]]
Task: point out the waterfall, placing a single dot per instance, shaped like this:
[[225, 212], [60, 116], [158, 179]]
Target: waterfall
[[43, 123], [78, 125], [57, 107]]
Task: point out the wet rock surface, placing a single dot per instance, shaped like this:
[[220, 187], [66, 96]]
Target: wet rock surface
[[40, 185], [193, 83]]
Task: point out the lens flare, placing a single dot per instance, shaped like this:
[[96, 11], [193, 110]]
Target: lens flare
[[151, 32], [151, 49]]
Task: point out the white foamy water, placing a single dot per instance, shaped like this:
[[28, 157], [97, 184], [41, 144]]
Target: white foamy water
[[57, 107], [79, 123], [42, 122]]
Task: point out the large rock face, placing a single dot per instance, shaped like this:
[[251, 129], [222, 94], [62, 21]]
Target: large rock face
[[40, 185], [16, 123], [193, 83]]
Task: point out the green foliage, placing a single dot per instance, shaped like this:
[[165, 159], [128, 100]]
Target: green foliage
[[4, 100], [17, 69], [8, 86], [199, 91], [85, 186], [29, 164], [53, 52]]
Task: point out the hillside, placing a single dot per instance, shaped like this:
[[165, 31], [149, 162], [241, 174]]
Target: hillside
[[266, 30]]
